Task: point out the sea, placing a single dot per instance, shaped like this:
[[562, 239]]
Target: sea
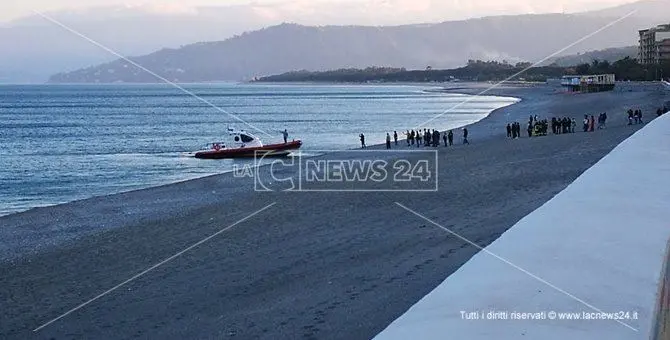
[[60, 143]]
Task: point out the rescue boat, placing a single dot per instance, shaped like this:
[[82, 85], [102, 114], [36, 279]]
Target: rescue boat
[[242, 144]]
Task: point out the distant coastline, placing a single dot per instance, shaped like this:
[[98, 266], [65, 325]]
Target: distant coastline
[[475, 71]]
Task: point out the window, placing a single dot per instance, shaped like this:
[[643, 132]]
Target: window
[[246, 139]]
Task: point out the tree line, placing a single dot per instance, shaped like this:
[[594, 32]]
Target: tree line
[[626, 69], [478, 70]]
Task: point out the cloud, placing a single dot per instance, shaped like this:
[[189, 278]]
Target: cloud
[[164, 8], [323, 12]]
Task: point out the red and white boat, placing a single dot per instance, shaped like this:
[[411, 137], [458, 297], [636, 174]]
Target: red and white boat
[[242, 144]]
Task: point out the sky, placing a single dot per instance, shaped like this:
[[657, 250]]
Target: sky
[[420, 9]]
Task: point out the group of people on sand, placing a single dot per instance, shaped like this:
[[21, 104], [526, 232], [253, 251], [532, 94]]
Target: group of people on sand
[[425, 137], [428, 137], [540, 127], [535, 127], [589, 123], [514, 130], [563, 125]]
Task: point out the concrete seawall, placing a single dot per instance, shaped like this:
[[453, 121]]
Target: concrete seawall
[[662, 322], [589, 264]]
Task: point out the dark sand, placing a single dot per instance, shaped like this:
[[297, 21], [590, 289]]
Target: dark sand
[[315, 265]]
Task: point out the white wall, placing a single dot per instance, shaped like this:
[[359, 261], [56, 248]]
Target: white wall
[[601, 243]]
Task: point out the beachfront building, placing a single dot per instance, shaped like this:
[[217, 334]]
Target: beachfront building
[[589, 83], [654, 45]]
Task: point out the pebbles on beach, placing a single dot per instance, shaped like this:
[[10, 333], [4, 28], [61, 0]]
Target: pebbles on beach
[[326, 264]]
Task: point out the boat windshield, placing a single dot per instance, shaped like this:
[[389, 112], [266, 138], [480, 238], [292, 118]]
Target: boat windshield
[[246, 139]]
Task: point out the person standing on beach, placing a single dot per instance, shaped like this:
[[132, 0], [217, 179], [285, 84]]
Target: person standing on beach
[[436, 138], [639, 117], [509, 131], [388, 141], [630, 116], [411, 136], [574, 126], [553, 125], [418, 139], [530, 129], [586, 123], [285, 134], [362, 138], [465, 136], [395, 137], [450, 136], [444, 138], [517, 127], [407, 137]]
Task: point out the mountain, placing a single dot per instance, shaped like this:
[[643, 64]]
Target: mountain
[[608, 54], [290, 47], [33, 48]]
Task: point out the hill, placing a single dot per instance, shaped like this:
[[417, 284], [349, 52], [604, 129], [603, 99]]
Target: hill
[[34, 48], [289, 47], [608, 54]]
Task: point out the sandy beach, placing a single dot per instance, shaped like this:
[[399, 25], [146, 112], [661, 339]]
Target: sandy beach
[[320, 265]]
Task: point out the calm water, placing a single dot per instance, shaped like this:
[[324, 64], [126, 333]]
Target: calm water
[[63, 143]]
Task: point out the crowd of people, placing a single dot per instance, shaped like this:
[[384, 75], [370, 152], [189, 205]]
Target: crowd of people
[[558, 125], [425, 137], [535, 127], [589, 122]]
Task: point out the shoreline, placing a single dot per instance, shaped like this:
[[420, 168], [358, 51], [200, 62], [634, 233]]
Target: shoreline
[[150, 186], [524, 95], [323, 265]]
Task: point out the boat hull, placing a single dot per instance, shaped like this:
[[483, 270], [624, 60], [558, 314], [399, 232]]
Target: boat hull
[[271, 150]]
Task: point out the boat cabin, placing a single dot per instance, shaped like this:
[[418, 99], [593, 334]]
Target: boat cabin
[[238, 139]]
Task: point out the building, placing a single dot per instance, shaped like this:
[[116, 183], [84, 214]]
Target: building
[[654, 45], [589, 83]]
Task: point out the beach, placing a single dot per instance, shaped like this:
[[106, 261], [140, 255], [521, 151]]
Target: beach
[[315, 265]]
